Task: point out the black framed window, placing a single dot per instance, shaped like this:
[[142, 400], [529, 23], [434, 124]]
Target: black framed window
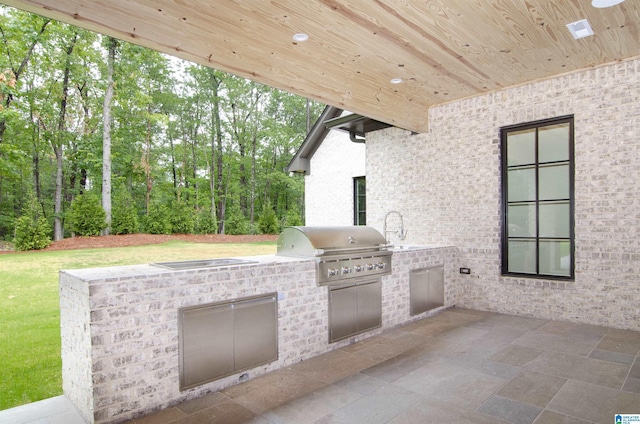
[[359, 201], [538, 199]]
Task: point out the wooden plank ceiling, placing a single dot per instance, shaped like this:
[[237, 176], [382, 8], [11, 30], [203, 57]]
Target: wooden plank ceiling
[[442, 49]]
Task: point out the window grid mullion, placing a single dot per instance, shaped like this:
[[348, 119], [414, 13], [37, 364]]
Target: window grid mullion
[[537, 199]]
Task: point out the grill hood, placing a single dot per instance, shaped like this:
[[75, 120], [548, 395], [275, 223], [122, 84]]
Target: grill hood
[[353, 254], [328, 240]]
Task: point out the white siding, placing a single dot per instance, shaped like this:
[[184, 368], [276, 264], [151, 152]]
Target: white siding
[[329, 186]]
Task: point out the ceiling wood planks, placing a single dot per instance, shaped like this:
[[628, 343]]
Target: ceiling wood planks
[[442, 49]]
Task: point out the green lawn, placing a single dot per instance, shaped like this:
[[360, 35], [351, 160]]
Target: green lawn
[[30, 365]]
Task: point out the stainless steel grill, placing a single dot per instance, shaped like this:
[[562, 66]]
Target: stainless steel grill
[[343, 253]]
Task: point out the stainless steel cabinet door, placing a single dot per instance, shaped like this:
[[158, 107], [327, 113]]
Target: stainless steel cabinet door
[[354, 309], [220, 339], [206, 344], [369, 306], [426, 289], [343, 313], [256, 332]]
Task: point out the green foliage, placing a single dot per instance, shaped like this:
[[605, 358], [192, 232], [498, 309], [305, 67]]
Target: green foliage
[[86, 216], [124, 219], [158, 220], [205, 223], [268, 221], [30, 235], [293, 216], [235, 221], [176, 125], [32, 230], [182, 220], [7, 226]]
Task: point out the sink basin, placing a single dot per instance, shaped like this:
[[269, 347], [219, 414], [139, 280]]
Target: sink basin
[[203, 263]]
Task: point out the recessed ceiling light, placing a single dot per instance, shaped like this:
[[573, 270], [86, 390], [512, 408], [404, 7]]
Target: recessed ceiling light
[[396, 81], [605, 3], [300, 37], [580, 29]]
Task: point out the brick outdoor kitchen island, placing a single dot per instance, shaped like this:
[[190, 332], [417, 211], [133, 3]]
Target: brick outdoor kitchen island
[[119, 325]]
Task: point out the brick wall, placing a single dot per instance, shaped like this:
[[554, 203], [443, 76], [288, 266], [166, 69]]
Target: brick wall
[[120, 324], [446, 183], [395, 287], [76, 344], [129, 314], [329, 186]]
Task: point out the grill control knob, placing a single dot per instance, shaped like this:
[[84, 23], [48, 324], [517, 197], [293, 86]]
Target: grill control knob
[[358, 268], [381, 265], [346, 270], [370, 267], [333, 272]]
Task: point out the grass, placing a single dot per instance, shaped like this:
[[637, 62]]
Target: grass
[[30, 364]]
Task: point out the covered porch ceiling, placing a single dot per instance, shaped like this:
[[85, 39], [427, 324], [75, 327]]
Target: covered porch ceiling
[[442, 50]]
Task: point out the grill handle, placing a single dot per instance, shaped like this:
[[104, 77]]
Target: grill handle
[[320, 252]]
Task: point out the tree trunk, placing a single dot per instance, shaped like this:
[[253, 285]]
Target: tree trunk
[[254, 146], [35, 157], [194, 169], [86, 130], [58, 233], [253, 181], [216, 158], [147, 161], [106, 136], [58, 148], [174, 172], [243, 153]]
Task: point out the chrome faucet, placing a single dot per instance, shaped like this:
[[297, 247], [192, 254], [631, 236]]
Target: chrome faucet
[[401, 232]]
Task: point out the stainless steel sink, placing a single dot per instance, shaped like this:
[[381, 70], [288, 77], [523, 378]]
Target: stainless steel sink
[[203, 263]]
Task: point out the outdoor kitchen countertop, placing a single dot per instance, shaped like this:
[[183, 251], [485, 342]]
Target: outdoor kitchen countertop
[[146, 270]]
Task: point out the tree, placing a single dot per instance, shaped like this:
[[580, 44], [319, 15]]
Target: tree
[[86, 216], [181, 140], [125, 214], [268, 222], [112, 46], [58, 141], [21, 33], [32, 229]]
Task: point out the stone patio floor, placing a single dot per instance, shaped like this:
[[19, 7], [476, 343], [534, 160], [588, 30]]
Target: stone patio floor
[[460, 366]]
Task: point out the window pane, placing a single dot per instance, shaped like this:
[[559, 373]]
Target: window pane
[[522, 256], [521, 185], [361, 203], [361, 185], [362, 218], [554, 182], [555, 257], [554, 220], [521, 147], [522, 220], [553, 143]]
